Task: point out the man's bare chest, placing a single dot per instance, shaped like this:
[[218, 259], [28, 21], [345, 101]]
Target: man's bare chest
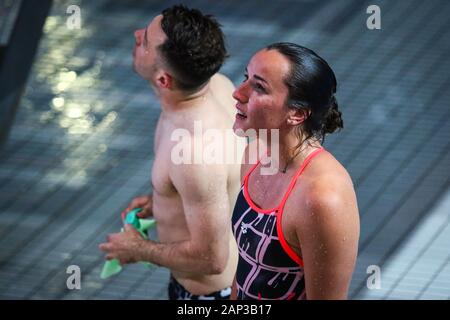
[[162, 164]]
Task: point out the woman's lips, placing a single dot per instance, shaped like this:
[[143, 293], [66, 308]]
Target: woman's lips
[[240, 114]]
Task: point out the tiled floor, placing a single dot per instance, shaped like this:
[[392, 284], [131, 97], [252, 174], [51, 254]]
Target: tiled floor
[[419, 269], [81, 144]]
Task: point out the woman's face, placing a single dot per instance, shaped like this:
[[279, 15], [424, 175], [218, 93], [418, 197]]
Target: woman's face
[[261, 98]]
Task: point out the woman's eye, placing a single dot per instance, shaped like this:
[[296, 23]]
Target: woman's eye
[[259, 87]]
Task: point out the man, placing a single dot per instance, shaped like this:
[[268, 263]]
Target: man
[[179, 54]]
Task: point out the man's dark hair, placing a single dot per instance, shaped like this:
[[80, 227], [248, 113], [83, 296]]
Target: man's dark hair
[[195, 46]]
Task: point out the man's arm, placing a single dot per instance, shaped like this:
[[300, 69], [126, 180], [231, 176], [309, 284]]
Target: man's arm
[[328, 232], [203, 190]]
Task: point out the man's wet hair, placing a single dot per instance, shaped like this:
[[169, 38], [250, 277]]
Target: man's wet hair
[[195, 46]]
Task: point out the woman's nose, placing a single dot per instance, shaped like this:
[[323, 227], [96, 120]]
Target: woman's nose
[[239, 94]]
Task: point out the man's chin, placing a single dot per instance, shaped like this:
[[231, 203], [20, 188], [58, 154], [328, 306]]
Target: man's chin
[[133, 65], [136, 70]]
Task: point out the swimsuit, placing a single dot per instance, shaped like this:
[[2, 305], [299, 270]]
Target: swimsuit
[[178, 292], [268, 268]]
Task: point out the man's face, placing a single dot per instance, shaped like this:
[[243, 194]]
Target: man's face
[[146, 58]]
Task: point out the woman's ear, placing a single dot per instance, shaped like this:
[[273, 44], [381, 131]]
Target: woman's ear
[[297, 116]]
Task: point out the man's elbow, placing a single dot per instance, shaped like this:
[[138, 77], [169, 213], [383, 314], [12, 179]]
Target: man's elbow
[[217, 263], [216, 268]]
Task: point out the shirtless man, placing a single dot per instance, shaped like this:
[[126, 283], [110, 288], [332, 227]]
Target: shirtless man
[[179, 54]]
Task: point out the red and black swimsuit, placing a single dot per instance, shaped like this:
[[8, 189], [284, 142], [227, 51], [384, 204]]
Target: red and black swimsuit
[[268, 268]]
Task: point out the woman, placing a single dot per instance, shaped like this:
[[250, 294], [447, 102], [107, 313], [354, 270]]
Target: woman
[[298, 229]]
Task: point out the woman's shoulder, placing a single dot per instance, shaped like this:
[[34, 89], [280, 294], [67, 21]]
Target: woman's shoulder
[[325, 186], [323, 202], [327, 172]]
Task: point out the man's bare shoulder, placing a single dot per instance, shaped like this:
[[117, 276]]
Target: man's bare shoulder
[[207, 115], [200, 176], [222, 82], [222, 89]]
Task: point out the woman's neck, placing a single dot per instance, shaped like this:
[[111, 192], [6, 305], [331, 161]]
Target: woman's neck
[[288, 152]]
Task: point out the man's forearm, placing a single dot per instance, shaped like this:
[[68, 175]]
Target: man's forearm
[[181, 256]]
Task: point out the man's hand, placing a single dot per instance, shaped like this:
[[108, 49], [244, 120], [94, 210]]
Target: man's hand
[[124, 246], [143, 202]]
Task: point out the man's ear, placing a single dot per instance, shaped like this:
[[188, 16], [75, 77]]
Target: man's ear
[[164, 80], [298, 116]]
